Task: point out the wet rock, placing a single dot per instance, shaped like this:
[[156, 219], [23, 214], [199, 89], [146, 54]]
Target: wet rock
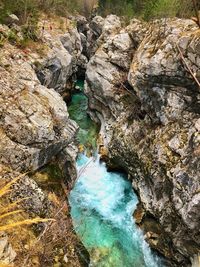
[[139, 213], [67, 163]]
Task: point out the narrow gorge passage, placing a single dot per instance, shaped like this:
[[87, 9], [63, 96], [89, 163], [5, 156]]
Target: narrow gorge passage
[[102, 204]]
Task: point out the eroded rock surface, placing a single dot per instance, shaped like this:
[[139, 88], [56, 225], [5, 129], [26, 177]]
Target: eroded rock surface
[[149, 111], [34, 122], [58, 69]]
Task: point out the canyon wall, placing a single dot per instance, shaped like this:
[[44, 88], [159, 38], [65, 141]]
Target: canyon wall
[[141, 89]]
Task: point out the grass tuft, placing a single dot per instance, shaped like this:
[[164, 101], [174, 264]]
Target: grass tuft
[[6, 211]]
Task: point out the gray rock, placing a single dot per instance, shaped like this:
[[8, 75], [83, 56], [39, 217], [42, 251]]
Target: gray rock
[[12, 19], [56, 70], [7, 253], [150, 126], [37, 202], [61, 64], [82, 24], [67, 163], [34, 122], [96, 25], [72, 42]]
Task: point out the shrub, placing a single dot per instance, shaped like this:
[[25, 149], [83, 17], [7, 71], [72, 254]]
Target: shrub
[[23, 9], [149, 9]]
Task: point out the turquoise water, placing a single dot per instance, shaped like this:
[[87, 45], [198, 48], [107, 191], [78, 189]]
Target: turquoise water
[[102, 204], [88, 131]]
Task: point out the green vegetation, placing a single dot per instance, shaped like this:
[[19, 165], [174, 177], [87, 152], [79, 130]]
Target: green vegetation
[[28, 10], [149, 9]]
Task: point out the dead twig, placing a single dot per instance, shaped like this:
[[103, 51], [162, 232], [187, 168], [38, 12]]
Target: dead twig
[[187, 66]]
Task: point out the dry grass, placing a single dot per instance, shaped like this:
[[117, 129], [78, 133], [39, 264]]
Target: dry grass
[[6, 210], [11, 218], [43, 244]]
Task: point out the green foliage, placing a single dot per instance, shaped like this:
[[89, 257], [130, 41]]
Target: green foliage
[[119, 7], [12, 37], [148, 9], [167, 8], [23, 9], [28, 13], [60, 7], [28, 10]]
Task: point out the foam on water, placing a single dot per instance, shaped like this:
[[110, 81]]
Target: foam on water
[[102, 204]]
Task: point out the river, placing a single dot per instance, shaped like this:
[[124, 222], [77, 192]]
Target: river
[[102, 204]]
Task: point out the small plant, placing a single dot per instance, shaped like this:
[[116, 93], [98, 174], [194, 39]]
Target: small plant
[[12, 37], [2, 40]]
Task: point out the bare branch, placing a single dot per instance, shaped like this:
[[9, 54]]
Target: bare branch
[[187, 66]]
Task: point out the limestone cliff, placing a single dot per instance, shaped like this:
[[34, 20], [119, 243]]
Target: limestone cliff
[[140, 88], [35, 130]]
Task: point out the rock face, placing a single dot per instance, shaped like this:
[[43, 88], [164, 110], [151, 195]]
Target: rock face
[[34, 124], [34, 121], [94, 33], [59, 68], [149, 111]]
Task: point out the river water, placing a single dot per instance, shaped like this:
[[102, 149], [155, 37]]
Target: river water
[[102, 204]]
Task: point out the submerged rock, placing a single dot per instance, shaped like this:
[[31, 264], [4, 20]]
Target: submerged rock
[[149, 111]]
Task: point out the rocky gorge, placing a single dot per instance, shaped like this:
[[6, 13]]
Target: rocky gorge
[[140, 88]]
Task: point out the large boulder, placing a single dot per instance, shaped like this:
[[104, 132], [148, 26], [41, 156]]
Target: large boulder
[[34, 122], [106, 77]]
